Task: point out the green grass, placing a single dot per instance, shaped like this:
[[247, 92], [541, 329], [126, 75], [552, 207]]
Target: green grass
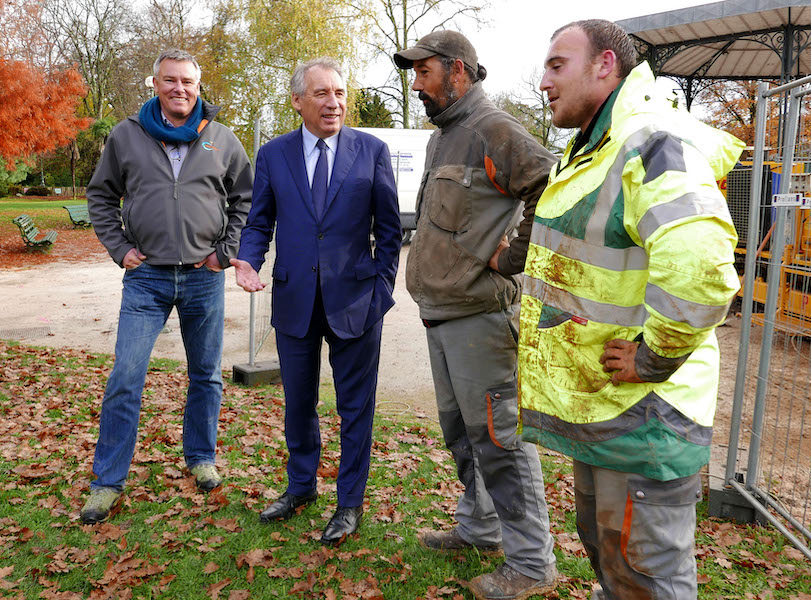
[[33, 205], [168, 541], [47, 214]]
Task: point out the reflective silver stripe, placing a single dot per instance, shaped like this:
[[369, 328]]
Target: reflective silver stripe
[[613, 259], [689, 205], [676, 309], [625, 316], [652, 406], [611, 187]]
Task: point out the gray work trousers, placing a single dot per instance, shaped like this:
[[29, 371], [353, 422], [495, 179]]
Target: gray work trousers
[[473, 362], [639, 533]]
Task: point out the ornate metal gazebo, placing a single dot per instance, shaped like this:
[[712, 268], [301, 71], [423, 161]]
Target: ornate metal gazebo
[[731, 40]]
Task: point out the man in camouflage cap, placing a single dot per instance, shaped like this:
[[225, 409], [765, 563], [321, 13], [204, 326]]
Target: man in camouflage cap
[[482, 168]]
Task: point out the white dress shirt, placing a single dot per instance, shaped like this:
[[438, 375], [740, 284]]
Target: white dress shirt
[[311, 153]]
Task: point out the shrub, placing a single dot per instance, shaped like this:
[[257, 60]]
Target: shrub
[[38, 190], [13, 190]]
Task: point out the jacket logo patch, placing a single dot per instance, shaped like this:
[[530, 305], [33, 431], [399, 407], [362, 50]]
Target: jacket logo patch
[[210, 146]]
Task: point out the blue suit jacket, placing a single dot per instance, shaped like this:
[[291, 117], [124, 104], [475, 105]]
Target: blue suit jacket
[[356, 282]]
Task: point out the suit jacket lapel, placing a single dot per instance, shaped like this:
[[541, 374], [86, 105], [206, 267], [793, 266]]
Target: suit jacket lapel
[[294, 155], [344, 159]]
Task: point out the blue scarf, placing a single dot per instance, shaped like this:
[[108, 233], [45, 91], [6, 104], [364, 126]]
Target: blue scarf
[[150, 117]]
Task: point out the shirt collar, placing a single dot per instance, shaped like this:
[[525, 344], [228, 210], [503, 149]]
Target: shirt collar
[[309, 141], [166, 121]]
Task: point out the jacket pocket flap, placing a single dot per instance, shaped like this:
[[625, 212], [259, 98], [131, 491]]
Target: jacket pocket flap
[[279, 273], [365, 270], [457, 173]]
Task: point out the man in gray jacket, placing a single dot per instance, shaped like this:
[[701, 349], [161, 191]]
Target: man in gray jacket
[[168, 200], [481, 168]]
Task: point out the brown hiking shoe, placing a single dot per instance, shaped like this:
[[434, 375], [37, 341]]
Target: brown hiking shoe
[[505, 583], [451, 541]]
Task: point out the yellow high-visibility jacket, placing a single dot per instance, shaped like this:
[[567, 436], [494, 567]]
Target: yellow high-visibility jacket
[[632, 239]]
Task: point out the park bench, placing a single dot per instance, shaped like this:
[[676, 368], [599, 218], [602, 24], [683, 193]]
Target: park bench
[[31, 235], [78, 215]]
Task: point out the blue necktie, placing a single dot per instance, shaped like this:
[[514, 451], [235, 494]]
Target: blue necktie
[[319, 186]]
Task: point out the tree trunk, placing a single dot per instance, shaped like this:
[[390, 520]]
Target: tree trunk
[[74, 158]]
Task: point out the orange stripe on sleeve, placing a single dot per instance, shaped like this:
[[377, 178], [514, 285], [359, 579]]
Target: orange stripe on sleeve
[[491, 173]]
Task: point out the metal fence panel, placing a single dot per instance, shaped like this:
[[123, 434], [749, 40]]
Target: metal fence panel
[[769, 457]]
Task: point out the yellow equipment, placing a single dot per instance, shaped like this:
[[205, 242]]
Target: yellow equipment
[[794, 301]]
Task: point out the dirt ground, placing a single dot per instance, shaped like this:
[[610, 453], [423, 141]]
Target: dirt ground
[[63, 302], [71, 295], [75, 304], [70, 298]]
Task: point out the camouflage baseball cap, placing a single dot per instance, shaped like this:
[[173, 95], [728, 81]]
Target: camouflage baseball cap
[[446, 43]]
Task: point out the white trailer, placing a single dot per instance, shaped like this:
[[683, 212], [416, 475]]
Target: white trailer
[[407, 148]]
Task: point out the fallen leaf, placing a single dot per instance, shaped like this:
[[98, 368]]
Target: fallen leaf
[[215, 588], [210, 568]]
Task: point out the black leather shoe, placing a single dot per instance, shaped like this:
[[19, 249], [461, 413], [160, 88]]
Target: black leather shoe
[[285, 507], [344, 522]]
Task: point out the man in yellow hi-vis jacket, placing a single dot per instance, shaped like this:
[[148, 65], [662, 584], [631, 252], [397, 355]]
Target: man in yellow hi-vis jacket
[[629, 271]]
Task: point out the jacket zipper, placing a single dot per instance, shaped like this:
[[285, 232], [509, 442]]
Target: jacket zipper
[[582, 157]]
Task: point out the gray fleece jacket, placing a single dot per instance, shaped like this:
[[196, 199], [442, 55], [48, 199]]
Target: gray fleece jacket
[[135, 202]]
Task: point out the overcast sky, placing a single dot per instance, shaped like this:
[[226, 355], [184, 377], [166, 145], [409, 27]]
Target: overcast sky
[[516, 38]]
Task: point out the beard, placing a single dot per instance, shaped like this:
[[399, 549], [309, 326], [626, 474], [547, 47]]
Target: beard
[[435, 105]]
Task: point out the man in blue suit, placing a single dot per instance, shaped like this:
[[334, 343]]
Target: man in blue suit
[[324, 188]]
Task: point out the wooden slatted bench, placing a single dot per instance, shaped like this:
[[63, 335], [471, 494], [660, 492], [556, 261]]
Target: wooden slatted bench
[[78, 214], [31, 235]]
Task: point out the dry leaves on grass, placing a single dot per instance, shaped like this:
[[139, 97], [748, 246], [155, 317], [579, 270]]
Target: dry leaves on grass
[[49, 403]]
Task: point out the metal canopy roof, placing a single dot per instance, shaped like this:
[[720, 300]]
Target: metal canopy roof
[[736, 39]]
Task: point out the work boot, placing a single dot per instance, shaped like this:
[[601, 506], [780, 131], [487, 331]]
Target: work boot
[[99, 506], [505, 583], [451, 541], [206, 477]]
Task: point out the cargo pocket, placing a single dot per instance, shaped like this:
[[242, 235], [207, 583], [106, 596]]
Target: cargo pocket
[[502, 415], [450, 205], [658, 531]]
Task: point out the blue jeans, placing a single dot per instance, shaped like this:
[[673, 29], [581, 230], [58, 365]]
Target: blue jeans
[[147, 299]]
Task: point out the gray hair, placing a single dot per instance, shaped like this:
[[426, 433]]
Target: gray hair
[[298, 85], [175, 54]]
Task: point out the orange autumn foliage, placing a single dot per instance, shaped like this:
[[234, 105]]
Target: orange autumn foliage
[[37, 110]]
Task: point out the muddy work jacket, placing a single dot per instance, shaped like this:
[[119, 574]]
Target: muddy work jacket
[[481, 168], [632, 239]]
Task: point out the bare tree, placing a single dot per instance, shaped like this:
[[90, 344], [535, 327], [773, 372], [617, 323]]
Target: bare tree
[[22, 36], [90, 34], [531, 108], [161, 24], [398, 25]]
